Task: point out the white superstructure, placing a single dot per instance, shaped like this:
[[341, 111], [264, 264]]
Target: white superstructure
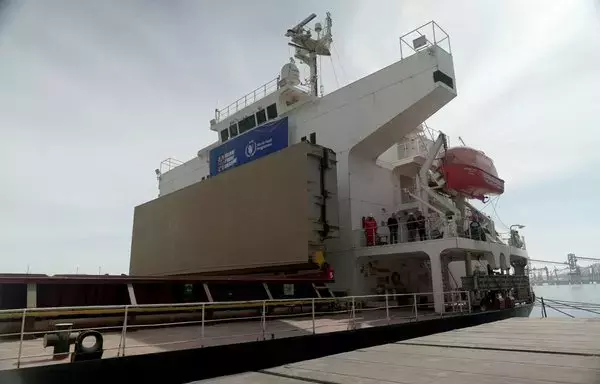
[[385, 156]]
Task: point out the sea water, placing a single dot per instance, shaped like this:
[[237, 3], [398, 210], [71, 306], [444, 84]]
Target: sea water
[[582, 293]]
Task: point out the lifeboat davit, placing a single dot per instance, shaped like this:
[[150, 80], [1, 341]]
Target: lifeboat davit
[[471, 173]]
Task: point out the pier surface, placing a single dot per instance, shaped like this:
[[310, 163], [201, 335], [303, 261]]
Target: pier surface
[[517, 350]]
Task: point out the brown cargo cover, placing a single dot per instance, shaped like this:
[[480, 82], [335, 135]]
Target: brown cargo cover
[[262, 214]]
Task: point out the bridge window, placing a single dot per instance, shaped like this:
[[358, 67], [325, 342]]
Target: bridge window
[[272, 111], [261, 117], [247, 124], [225, 135], [233, 130]]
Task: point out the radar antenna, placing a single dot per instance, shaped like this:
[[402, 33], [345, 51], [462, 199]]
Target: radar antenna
[[307, 48]]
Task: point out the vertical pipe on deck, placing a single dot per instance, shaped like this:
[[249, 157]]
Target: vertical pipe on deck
[[124, 332], [22, 335], [544, 314], [387, 308], [202, 326], [353, 311], [264, 318], [469, 300], [313, 316], [415, 304]]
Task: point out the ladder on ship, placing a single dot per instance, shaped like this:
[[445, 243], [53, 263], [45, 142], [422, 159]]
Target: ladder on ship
[[322, 290]]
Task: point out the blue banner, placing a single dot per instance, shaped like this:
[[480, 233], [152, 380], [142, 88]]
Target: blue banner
[[254, 144]]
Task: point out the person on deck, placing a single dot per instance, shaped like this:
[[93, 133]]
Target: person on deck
[[411, 226], [403, 233], [370, 229], [392, 224], [421, 226]]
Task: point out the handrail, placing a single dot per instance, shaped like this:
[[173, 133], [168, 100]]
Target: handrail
[[344, 312], [434, 229], [32, 312], [168, 164], [562, 306], [437, 34], [249, 98]]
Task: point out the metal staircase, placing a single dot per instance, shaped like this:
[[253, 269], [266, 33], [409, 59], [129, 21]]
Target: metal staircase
[[322, 290]]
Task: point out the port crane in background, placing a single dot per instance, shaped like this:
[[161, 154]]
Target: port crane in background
[[570, 273]]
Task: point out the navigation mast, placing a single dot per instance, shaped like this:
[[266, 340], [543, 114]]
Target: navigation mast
[[307, 48]]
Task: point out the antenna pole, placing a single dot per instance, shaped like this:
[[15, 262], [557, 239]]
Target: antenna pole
[[307, 48], [314, 75]]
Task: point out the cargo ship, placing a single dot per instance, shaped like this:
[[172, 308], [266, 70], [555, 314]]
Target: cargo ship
[[305, 195]]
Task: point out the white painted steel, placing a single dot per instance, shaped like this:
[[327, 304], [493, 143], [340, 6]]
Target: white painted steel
[[21, 337], [376, 127], [125, 316], [313, 315]]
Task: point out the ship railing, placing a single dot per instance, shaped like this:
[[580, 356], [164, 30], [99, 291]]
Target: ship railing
[[427, 35], [431, 134], [434, 229], [246, 100], [168, 164], [384, 235], [414, 148], [407, 195], [570, 309], [200, 326]]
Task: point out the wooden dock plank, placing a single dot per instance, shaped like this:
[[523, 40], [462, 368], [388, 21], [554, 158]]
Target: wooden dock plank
[[538, 359], [483, 366], [417, 369], [555, 351], [256, 378], [577, 336]]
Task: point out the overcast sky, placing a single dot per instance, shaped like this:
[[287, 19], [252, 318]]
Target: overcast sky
[[94, 94]]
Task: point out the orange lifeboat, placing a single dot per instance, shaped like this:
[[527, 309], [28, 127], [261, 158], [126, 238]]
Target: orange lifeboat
[[470, 172]]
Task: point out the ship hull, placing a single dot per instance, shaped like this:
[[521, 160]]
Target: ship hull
[[523, 310]]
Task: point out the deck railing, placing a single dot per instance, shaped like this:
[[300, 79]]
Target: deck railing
[[427, 35], [383, 236], [168, 164], [247, 99], [570, 309], [256, 320]]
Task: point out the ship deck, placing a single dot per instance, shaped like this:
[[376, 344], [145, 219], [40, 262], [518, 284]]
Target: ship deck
[[517, 350], [151, 339]]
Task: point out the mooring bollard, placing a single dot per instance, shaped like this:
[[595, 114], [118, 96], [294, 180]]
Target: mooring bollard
[[60, 340]]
